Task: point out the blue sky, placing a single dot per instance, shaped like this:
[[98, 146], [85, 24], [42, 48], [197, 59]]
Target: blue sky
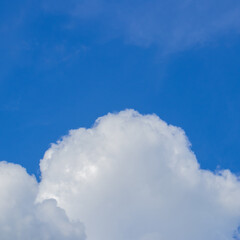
[[65, 63], [129, 175]]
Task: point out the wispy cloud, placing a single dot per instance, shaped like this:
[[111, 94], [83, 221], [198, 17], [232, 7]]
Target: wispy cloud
[[171, 25]]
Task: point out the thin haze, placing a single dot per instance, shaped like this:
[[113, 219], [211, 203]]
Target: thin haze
[[171, 25]]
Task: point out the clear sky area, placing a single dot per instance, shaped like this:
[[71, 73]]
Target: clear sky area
[[66, 63]]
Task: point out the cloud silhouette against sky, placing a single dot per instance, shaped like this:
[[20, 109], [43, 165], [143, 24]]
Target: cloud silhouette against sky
[[135, 177], [130, 176]]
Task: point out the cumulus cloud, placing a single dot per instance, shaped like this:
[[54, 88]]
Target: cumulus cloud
[[22, 219], [172, 25], [130, 176]]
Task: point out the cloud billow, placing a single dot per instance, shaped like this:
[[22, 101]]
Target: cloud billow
[[135, 177], [23, 219], [130, 176]]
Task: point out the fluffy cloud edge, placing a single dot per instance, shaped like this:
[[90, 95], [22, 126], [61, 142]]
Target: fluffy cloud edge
[[130, 176], [24, 219], [152, 162]]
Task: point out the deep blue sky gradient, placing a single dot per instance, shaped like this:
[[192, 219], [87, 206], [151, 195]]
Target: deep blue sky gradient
[[61, 69]]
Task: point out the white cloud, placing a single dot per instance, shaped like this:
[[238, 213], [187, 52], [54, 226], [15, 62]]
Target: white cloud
[[132, 176], [22, 219]]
